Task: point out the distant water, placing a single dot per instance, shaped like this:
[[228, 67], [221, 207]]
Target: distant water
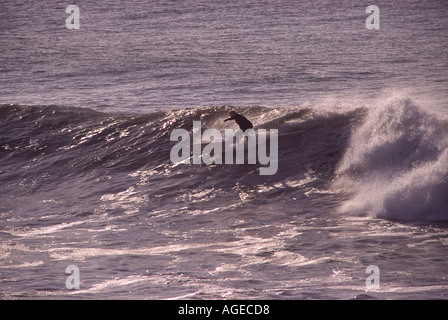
[[85, 171]]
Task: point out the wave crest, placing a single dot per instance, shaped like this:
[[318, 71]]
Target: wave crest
[[390, 161]]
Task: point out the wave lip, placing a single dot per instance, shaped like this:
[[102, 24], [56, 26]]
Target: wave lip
[[396, 164]]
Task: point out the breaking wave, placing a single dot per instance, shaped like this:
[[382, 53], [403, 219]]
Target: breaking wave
[[388, 161], [396, 164]]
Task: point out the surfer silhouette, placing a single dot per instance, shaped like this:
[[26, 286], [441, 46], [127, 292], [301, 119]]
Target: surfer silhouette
[[240, 120]]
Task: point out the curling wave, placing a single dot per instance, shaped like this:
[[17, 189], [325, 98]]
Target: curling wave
[[390, 161]]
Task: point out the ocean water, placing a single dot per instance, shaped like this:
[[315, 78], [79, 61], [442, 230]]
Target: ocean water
[[87, 180]]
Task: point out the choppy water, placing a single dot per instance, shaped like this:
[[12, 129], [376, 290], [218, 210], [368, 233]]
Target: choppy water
[[85, 170]]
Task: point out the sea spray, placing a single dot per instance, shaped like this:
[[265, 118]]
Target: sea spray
[[396, 164]]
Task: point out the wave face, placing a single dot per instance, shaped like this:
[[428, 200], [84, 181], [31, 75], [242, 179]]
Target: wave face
[[389, 161]]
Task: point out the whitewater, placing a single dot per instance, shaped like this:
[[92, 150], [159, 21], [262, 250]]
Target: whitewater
[[86, 178]]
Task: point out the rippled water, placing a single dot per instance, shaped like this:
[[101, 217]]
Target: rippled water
[[87, 180]]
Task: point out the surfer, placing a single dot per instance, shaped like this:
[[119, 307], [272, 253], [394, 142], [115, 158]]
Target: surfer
[[240, 120]]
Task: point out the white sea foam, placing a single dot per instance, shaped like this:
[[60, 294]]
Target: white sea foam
[[396, 164]]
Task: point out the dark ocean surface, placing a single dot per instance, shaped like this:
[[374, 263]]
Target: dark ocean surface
[[86, 177]]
